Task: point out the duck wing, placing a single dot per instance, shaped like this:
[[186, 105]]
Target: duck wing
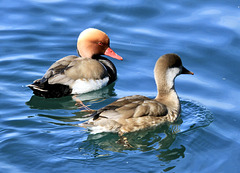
[[131, 107], [44, 86], [58, 67]]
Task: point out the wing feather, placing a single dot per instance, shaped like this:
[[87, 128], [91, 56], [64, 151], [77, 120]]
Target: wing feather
[[58, 68], [132, 107]]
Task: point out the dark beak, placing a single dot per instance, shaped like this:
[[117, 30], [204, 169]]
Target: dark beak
[[186, 71]]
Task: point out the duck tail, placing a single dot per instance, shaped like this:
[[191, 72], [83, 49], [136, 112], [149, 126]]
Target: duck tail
[[44, 89]]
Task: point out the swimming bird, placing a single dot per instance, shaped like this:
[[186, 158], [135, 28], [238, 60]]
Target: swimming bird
[[133, 113], [76, 75]]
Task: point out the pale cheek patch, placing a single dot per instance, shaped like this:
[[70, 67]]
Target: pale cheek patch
[[171, 74], [84, 86]]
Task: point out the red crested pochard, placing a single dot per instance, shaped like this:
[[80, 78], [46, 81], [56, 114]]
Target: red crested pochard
[[76, 75], [133, 113]]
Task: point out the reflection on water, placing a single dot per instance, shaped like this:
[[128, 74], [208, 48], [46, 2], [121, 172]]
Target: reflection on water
[[42, 134], [145, 140], [157, 139], [156, 142]]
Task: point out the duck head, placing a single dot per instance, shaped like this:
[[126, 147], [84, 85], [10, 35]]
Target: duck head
[[93, 42], [167, 68]]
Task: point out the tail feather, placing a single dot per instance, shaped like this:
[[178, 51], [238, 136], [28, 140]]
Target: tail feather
[[36, 87], [44, 89]]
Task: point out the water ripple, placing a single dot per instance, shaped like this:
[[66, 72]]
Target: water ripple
[[40, 134]]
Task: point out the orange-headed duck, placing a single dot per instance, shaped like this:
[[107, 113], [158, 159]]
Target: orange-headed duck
[[76, 75]]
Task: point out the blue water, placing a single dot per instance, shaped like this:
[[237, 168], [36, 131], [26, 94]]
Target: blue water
[[39, 135]]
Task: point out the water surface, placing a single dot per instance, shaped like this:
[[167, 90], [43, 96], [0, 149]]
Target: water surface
[[41, 135]]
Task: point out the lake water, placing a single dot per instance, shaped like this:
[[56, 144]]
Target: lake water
[[40, 135]]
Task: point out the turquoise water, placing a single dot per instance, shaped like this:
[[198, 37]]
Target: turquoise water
[[39, 135]]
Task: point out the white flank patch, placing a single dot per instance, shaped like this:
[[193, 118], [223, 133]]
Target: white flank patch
[[171, 74], [84, 86]]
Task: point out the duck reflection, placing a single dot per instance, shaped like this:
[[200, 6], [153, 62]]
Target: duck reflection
[[172, 154], [158, 139], [68, 103]]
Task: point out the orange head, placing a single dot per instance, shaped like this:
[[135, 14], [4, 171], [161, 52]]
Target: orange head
[[92, 42]]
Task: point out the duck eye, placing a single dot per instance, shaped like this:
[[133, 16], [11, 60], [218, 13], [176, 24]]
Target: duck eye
[[100, 43]]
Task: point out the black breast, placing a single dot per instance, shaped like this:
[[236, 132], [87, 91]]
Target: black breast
[[111, 69]]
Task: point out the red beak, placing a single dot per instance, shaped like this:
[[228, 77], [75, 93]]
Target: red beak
[[111, 53]]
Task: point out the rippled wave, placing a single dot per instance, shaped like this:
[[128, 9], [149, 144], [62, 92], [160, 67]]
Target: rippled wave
[[40, 134]]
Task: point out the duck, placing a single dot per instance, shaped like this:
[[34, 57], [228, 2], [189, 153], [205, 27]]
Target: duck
[[87, 72], [137, 112]]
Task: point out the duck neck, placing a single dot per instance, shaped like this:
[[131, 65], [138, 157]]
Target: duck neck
[[166, 91], [170, 99]]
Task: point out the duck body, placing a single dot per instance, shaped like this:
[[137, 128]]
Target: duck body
[[76, 75], [128, 114], [133, 113]]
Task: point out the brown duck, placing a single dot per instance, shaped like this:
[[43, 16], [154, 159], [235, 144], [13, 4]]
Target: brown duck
[[133, 113]]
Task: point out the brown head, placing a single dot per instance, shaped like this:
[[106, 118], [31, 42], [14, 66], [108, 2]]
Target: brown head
[[92, 42], [167, 68]]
